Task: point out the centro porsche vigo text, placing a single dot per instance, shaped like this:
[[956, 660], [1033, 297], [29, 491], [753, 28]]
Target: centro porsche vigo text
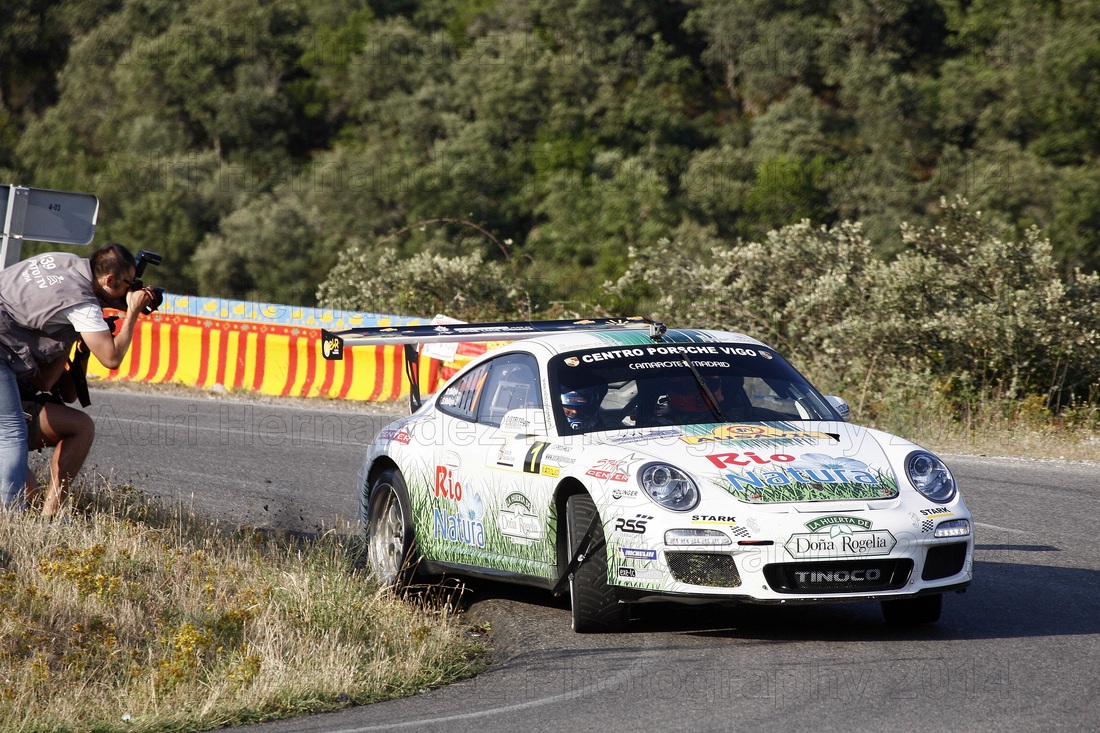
[[623, 462]]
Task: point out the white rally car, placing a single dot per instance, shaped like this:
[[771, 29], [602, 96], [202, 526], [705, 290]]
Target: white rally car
[[623, 463]]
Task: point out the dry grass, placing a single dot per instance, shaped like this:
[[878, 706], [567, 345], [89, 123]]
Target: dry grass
[[130, 617], [1018, 428]]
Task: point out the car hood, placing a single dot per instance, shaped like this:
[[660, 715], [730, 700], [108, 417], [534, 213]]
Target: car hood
[[762, 463]]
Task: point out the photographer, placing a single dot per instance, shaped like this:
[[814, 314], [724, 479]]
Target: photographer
[[45, 303]]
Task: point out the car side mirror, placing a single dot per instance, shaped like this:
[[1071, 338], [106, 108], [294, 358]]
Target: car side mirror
[[840, 405], [524, 421]]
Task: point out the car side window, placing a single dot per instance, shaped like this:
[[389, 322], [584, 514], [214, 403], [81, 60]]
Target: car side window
[[513, 383], [460, 399], [773, 400]]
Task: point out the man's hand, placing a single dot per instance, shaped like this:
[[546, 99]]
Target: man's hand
[[136, 302]]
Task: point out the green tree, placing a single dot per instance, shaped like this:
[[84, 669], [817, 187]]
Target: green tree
[[265, 251], [577, 129], [757, 51], [590, 222], [1076, 216], [173, 115], [35, 37]]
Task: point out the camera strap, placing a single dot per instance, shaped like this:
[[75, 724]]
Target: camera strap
[[78, 369]]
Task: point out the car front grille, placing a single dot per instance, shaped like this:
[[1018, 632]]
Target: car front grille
[[847, 576], [943, 561], [703, 568]]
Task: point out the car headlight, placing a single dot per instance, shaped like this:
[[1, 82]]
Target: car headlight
[[930, 476], [669, 487]]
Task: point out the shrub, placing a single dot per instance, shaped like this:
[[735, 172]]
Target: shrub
[[966, 312], [466, 287]]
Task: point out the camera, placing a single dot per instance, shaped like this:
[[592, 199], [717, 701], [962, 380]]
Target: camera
[[143, 258]]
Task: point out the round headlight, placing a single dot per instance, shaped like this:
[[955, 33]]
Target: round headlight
[[930, 477], [669, 487]]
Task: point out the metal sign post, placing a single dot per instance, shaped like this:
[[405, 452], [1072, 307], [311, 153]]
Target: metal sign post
[[42, 215]]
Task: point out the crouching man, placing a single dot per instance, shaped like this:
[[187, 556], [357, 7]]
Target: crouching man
[[46, 302]]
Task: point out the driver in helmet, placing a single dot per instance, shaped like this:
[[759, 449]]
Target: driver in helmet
[[579, 406]]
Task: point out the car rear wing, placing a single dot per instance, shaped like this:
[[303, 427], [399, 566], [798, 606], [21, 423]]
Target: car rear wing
[[333, 343]]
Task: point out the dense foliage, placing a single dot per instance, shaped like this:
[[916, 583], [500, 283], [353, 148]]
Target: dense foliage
[[251, 142], [965, 312], [486, 157]]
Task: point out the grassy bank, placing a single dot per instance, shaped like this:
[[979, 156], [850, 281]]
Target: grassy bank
[[134, 618], [1022, 428]]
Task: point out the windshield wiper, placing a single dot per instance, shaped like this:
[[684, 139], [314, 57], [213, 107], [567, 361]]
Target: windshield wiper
[[712, 401]]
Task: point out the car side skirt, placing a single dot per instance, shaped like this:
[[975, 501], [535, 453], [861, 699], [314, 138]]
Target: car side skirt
[[434, 567]]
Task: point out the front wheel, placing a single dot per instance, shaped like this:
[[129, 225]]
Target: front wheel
[[912, 611], [593, 600], [391, 551]]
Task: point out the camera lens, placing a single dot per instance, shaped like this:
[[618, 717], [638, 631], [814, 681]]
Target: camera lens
[[156, 296]]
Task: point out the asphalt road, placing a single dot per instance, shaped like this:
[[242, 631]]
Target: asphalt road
[[1017, 652]]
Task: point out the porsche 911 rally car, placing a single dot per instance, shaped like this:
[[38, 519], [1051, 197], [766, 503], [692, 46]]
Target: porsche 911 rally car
[[623, 462]]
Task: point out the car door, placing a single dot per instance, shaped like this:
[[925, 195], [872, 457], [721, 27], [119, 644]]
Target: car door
[[517, 478], [453, 529], [484, 513]]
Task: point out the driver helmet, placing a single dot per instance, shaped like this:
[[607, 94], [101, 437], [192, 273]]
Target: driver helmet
[[579, 406]]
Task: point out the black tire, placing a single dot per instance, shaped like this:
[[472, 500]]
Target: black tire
[[913, 611], [594, 602], [391, 544]]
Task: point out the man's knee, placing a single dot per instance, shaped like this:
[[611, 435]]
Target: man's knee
[[80, 430]]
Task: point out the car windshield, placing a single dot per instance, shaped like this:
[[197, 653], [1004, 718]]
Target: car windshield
[[653, 385]]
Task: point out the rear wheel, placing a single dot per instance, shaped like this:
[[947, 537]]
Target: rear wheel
[[593, 600], [391, 550], [912, 611]]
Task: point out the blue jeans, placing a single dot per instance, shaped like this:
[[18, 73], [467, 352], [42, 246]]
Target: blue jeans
[[13, 443]]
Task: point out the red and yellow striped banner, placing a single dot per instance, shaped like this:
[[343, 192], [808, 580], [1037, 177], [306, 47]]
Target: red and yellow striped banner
[[271, 359]]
